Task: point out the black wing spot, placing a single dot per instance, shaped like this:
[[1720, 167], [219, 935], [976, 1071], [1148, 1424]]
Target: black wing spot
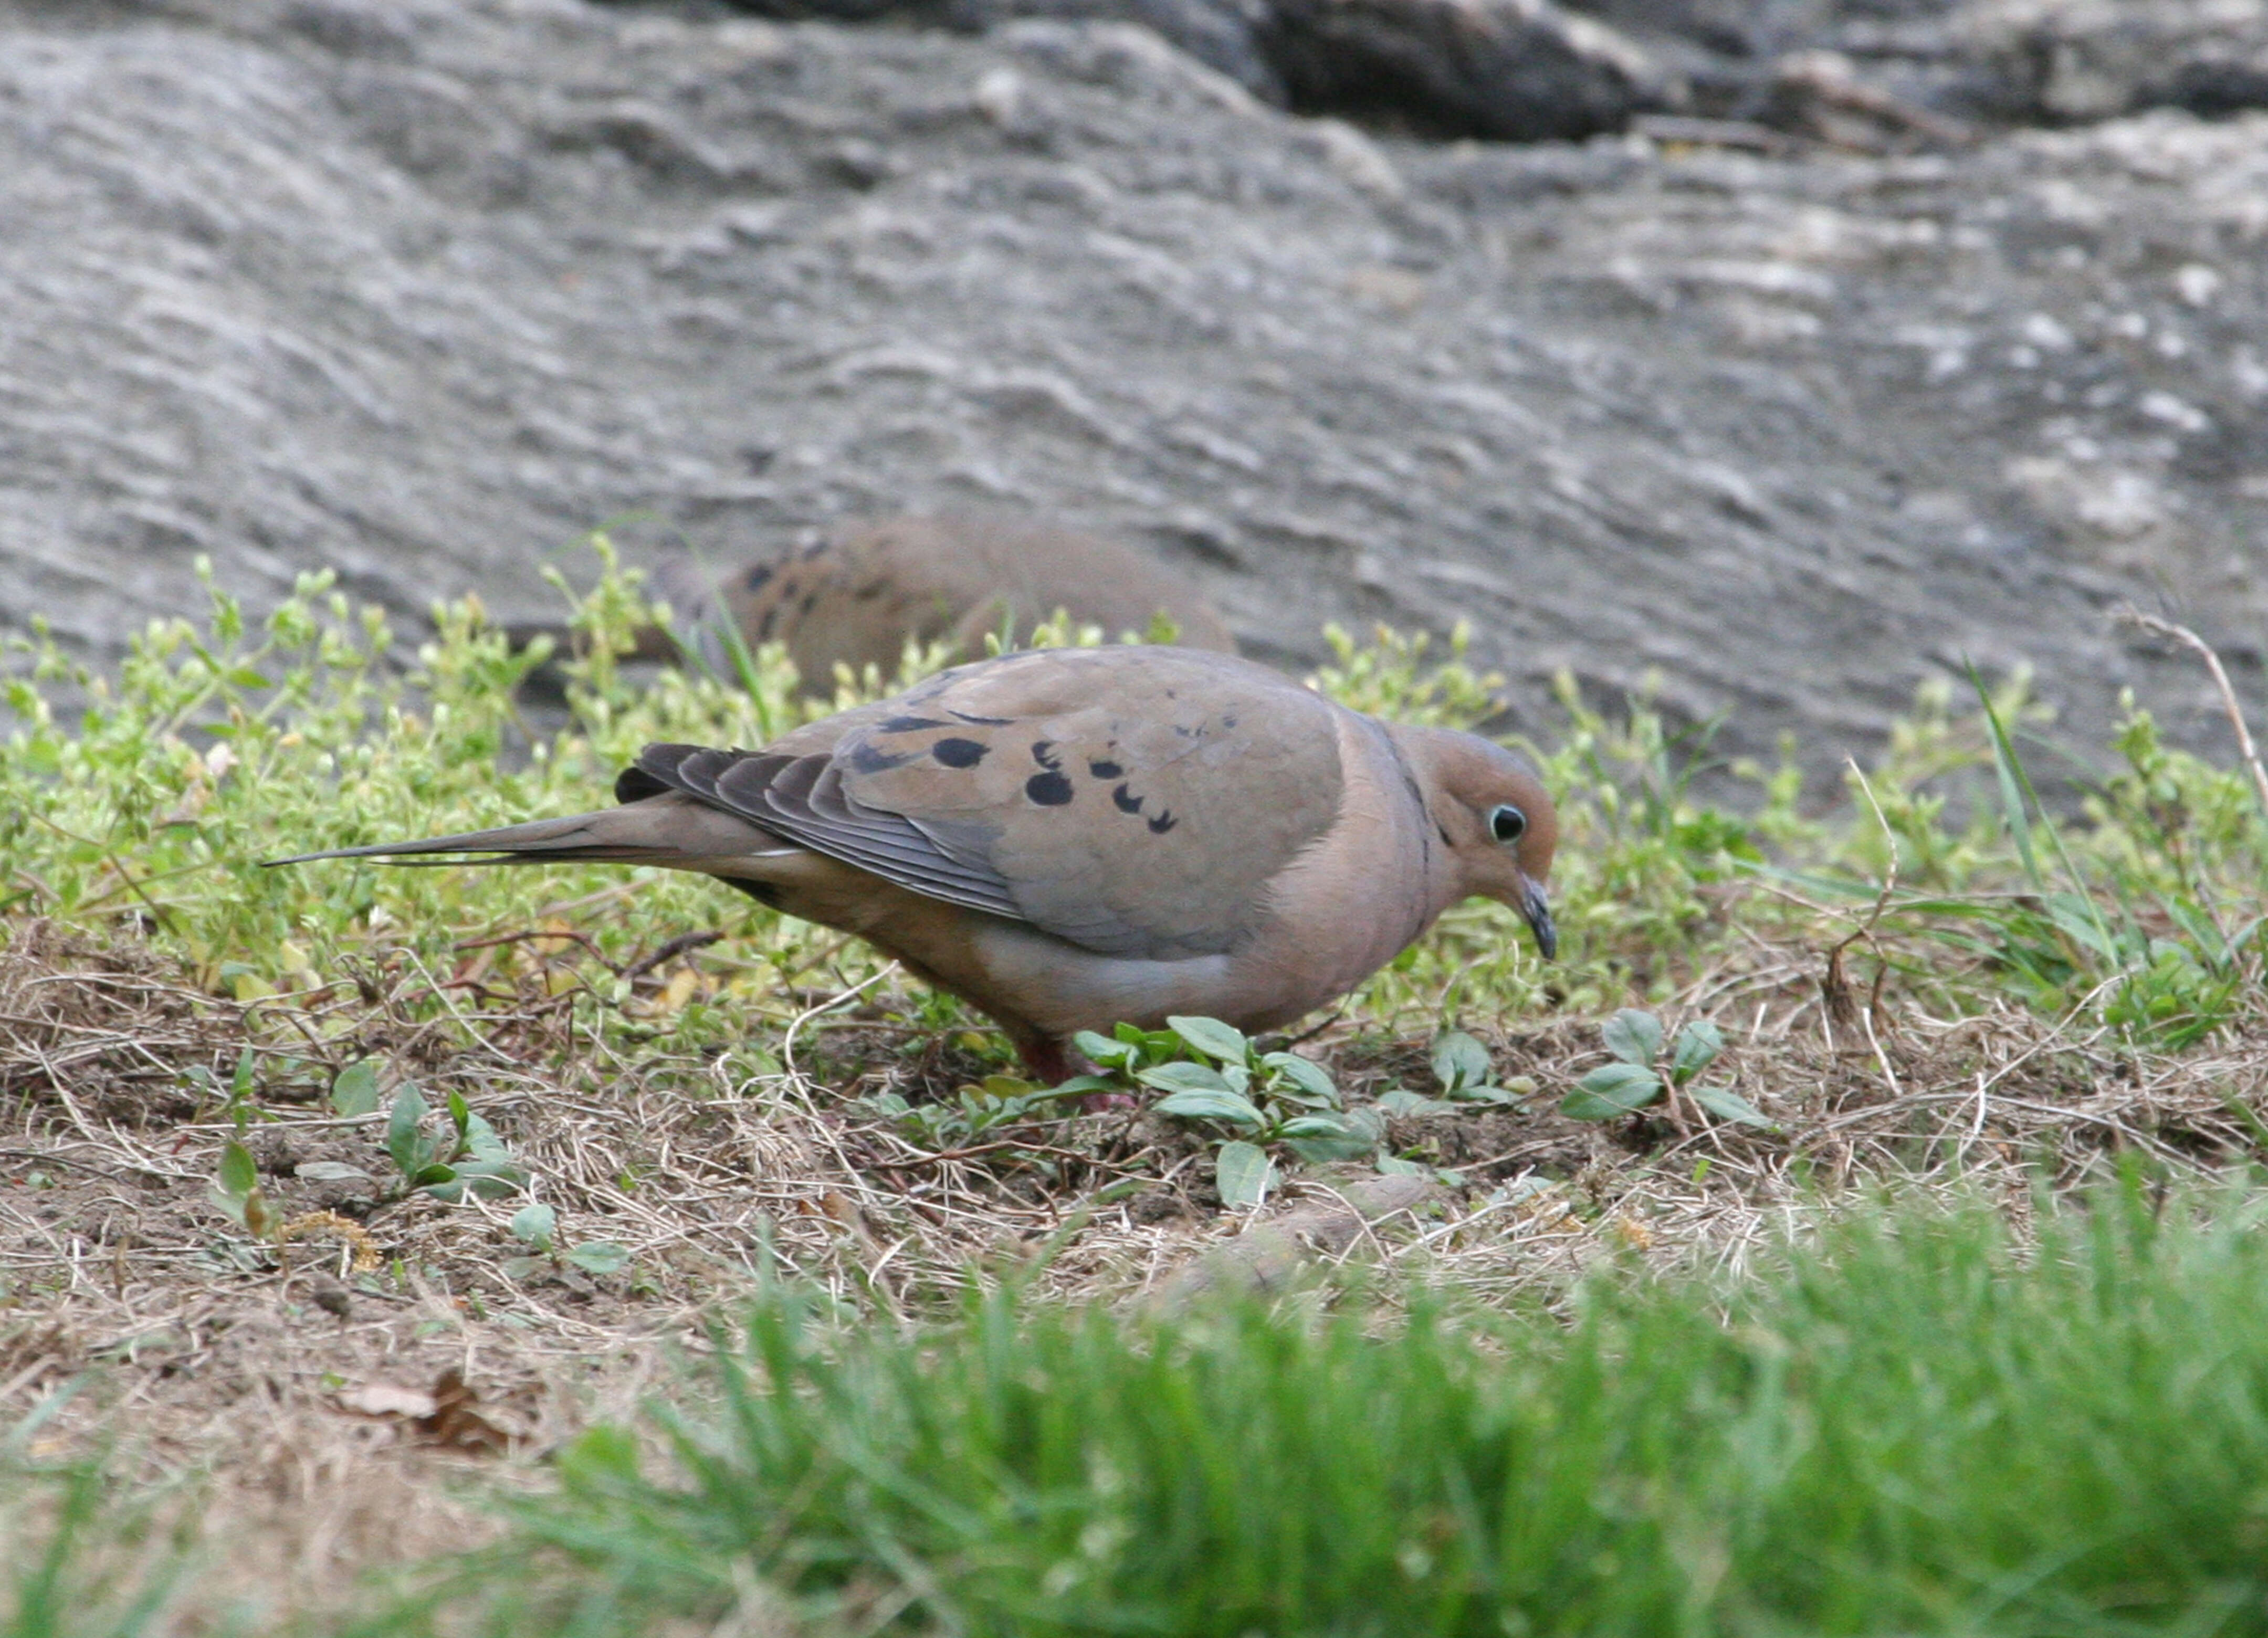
[[1105, 769], [1049, 790], [764, 626], [959, 753], [911, 725], [1043, 754], [1229, 722], [809, 598], [869, 591], [983, 722], [756, 578], [874, 759], [1162, 823], [1128, 803]]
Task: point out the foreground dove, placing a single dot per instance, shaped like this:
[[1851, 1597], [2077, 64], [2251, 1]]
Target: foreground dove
[[857, 597], [1070, 838]]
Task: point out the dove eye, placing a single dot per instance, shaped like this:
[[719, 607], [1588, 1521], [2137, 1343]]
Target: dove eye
[[1507, 823]]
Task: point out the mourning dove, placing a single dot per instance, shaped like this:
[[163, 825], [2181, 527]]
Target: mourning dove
[[1070, 838], [855, 599]]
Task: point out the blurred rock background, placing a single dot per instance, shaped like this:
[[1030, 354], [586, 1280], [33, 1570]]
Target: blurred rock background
[[1793, 351]]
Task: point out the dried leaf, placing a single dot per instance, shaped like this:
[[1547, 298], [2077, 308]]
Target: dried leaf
[[383, 1399]]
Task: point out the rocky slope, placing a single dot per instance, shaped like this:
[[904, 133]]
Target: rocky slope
[[426, 289]]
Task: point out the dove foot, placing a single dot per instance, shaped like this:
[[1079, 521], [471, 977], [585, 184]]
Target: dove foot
[[1049, 1064]]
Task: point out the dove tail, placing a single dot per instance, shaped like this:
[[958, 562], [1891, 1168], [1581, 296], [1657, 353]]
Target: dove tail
[[622, 835]]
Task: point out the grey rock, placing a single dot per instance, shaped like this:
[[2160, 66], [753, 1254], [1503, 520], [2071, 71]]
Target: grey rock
[[2074, 61], [427, 289], [1516, 70], [1228, 36]]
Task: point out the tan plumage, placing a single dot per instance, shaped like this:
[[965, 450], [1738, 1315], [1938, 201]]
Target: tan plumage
[[858, 596], [1073, 837]]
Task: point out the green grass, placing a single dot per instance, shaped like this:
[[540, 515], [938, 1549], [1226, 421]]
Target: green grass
[[78, 1557], [221, 742], [1909, 1426]]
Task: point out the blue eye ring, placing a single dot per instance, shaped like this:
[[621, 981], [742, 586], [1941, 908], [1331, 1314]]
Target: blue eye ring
[[1507, 823]]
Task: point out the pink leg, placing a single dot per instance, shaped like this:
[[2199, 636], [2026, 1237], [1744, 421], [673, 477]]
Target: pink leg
[[1045, 1060], [1049, 1065]]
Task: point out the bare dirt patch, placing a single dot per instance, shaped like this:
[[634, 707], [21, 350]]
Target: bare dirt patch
[[327, 1385]]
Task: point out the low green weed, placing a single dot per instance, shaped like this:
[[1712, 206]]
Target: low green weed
[[536, 1226], [985, 1109], [222, 743], [1636, 1079], [1212, 1074]]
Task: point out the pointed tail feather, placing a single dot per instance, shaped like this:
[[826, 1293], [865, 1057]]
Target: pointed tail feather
[[675, 831]]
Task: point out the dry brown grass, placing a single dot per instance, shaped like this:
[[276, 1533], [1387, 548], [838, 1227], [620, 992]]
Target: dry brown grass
[[260, 1369]]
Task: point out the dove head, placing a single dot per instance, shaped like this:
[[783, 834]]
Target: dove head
[[1497, 817]]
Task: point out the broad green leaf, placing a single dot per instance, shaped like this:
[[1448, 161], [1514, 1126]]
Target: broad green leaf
[[1394, 1166], [600, 1256], [1203, 1105], [481, 1140], [1243, 1174], [1697, 1046], [1611, 1091], [1726, 1105], [1080, 1084], [240, 1174], [355, 1090], [1183, 1078], [1313, 1126], [1459, 1061], [405, 1141], [1103, 1051], [461, 1114], [1402, 1101], [1633, 1036], [491, 1180], [1213, 1037], [1347, 1146], [534, 1223], [1304, 1073]]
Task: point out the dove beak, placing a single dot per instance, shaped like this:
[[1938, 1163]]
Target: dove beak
[[1537, 911]]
